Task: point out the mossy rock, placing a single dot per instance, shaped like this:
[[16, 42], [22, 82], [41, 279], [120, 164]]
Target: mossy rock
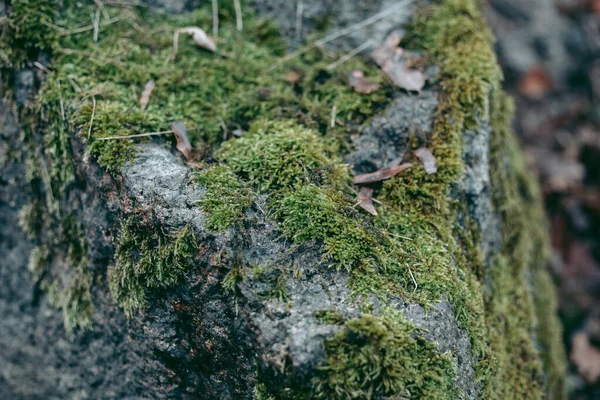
[[250, 272]]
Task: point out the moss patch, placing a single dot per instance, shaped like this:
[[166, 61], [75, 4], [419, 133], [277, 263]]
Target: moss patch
[[383, 355], [26, 31], [522, 294], [148, 258], [225, 199]]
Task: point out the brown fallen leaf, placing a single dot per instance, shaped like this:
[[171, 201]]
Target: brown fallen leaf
[[535, 83], [586, 357], [198, 35], [403, 76], [145, 97], [381, 174], [428, 160], [389, 49], [183, 143], [357, 81], [365, 200]]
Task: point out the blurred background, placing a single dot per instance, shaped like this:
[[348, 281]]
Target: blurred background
[[550, 53]]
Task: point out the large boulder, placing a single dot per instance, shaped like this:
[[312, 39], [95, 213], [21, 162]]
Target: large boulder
[[247, 270]]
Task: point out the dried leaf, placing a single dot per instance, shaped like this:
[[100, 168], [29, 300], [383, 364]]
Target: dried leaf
[[145, 97], [183, 143], [380, 175], [428, 160], [404, 77], [586, 357], [357, 81], [535, 83], [365, 200], [389, 49], [200, 38]]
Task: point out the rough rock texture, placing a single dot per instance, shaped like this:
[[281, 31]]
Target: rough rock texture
[[197, 339]]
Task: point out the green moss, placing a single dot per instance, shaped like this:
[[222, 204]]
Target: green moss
[[148, 258], [225, 199], [329, 317], [277, 155], [522, 293], [26, 31], [311, 212], [383, 355], [212, 94]]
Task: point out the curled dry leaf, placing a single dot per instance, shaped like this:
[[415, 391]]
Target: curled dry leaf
[[403, 76], [586, 357], [183, 143], [365, 200], [428, 160], [145, 97], [381, 174], [389, 49], [357, 81], [200, 38]]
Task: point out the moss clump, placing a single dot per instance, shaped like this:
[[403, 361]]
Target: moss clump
[[148, 258], [382, 354], [277, 155], [26, 31], [522, 294], [329, 317], [225, 199], [310, 212], [69, 283]]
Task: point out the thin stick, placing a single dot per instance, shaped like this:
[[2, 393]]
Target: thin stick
[[92, 55], [215, 17], [343, 32], [413, 279], [299, 13], [349, 55], [333, 114], [62, 104], [46, 178], [93, 113], [96, 21], [101, 6], [88, 27], [137, 135], [62, 30], [239, 23], [42, 67]]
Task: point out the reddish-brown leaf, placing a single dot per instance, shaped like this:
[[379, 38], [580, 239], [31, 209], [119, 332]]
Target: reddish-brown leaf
[[428, 160], [535, 83], [381, 174], [183, 143], [145, 97], [360, 84], [365, 200]]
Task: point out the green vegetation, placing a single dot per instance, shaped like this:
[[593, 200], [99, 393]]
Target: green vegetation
[[382, 354], [148, 258], [225, 199], [26, 31]]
